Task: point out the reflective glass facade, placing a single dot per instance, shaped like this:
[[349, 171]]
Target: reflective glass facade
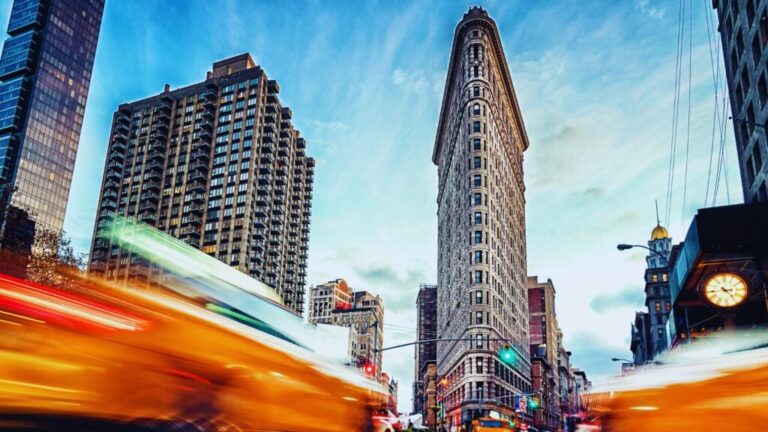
[[45, 72]]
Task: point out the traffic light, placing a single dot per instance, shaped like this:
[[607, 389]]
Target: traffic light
[[534, 402], [367, 367], [508, 354]]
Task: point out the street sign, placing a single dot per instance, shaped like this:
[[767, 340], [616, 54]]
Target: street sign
[[521, 403]]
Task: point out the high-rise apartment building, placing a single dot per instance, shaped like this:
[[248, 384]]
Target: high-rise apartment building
[[45, 73], [335, 303], [744, 34], [219, 165], [482, 291], [425, 353]]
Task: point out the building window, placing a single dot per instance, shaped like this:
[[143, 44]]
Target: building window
[[658, 306], [476, 144], [756, 52], [477, 180], [477, 162], [478, 237], [478, 341], [476, 126], [478, 257], [478, 318], [664, 277], [478, 297], [478, 276], [764, 28], [478, 198], [479, 362], [478, 218], [476, 91], [667, 306], [476, 109]]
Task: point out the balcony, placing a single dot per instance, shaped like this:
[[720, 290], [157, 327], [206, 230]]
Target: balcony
[[259, 234], [111, 185], [98, 267], [191, 219], [108, 204], [204, 134], [197, 185], [118, 146], [114, 174], [265, 179], [156, 155], [200, 155], [197, 176], [120, 136], [191, 231], [148, 217], [198, 165], [122, 127], [150, 196], [195, 197], [196, 208], [268, 138], [153, 166], [151, 185]]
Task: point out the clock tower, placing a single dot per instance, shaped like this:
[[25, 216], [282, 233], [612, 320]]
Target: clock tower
[[657, 297]]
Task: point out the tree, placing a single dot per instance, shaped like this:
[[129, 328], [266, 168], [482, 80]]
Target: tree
[[34, 252]]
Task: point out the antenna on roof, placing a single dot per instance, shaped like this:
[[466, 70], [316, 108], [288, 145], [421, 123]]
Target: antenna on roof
[[658, 221]]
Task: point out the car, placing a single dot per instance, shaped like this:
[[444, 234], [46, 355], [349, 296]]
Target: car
[[490, 424]]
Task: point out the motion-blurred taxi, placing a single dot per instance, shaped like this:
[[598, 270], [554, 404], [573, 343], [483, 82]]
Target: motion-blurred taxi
[[489, 424], [717, 383], [150, 359]]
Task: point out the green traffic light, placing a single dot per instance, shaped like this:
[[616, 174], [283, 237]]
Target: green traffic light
[[507, 354]]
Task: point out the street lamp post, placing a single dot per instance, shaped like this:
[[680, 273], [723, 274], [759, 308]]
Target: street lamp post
[[624, 246]]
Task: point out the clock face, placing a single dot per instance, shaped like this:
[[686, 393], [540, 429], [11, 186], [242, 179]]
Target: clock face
[[725, 289]]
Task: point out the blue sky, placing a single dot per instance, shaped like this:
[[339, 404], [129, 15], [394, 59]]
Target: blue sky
[[595, 82]]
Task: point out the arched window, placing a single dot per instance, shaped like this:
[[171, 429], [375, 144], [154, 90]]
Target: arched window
[[476, 109]]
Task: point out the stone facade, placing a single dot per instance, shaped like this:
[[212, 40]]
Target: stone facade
[[481, 218], [363, 314], [325, 299], [218, 165], [744, 34]]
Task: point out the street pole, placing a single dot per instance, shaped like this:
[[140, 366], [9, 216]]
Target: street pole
[[623, 246]]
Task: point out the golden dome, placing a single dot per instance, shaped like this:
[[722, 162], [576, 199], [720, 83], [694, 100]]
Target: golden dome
[[659, 233]]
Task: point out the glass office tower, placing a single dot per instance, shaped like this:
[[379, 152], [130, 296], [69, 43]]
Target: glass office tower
[[45, 72]]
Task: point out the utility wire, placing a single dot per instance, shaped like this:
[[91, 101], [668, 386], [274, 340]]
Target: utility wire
[[688, 125], [675, 110], [713, 56]]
